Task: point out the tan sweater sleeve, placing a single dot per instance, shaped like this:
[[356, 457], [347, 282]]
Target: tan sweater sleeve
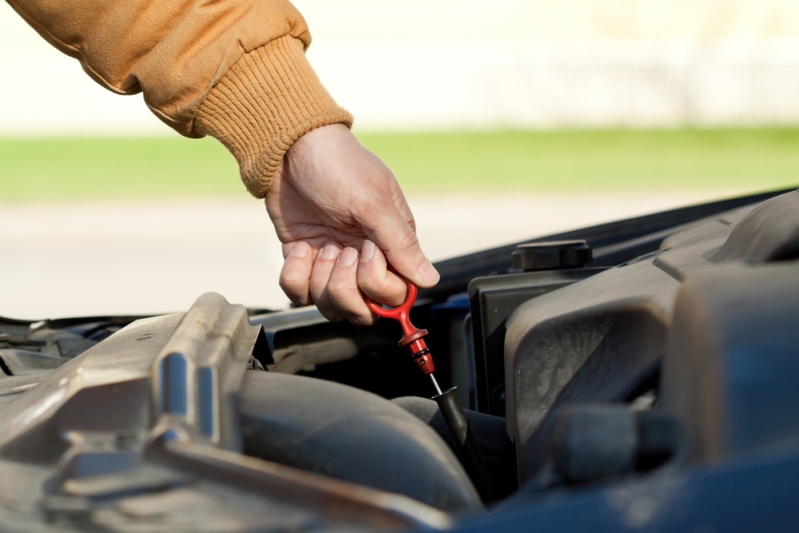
[[233, 69]]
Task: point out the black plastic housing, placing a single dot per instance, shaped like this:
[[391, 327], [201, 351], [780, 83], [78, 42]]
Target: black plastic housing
[[491, 300]]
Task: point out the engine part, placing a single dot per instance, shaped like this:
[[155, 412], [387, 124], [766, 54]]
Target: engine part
[[592, 441], [349, 434], [306, 357], [302, 341], [491, 300], [731, 359], [141, 431], [489, 434], [590, 341], [551, 255], [22, 362], [452, 411]]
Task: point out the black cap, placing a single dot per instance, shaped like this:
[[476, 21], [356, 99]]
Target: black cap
[[551, 255]]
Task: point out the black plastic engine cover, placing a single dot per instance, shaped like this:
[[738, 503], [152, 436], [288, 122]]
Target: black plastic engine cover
[[589, 341], [491, 300]]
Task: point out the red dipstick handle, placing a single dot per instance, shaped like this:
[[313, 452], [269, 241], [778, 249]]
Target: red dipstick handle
[[412, 336]]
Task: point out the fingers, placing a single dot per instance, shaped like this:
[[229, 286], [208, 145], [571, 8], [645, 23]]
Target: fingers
[[296, 273], [342, 289], [376, 281], [320, 276], [333, 285], [335, 278], [394, 235]]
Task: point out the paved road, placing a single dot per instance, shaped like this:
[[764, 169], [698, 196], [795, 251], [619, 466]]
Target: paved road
[[98, 258]]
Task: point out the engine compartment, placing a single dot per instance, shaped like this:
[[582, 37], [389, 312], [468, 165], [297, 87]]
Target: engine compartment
[[667, 355]]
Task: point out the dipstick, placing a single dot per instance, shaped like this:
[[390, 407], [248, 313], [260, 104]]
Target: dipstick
[[435, 384]]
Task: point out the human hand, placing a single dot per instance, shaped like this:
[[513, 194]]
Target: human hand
[[340, 214]]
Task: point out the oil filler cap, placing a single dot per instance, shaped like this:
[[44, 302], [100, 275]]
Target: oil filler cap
[[551, 255]]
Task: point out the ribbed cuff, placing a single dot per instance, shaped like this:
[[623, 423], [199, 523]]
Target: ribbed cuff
[[269, 99]]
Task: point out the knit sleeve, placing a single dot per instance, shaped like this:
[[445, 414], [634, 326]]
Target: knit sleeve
[[268, 100], [233, 69]]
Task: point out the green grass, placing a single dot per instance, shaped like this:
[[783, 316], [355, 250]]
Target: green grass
[[593, 160], [85, 168], [755, 159]]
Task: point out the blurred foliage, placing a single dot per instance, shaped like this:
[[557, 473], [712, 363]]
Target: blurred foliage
[[523, 161]]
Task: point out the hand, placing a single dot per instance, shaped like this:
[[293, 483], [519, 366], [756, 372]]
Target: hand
[[340, 214]]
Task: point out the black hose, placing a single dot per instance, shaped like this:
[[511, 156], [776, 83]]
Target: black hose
[[458, 424]]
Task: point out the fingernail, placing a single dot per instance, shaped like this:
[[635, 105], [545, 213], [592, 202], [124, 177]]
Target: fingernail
[[347, 257], [300, 250], [429, 274], [367, 250], [329, 252]]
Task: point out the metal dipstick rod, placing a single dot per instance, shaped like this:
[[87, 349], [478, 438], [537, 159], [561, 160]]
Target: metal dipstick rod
[[447, 401]]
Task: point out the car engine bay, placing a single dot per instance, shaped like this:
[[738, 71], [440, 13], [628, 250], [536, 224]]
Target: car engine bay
[[638, 375]]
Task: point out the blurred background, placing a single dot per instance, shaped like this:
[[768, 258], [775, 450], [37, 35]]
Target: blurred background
[[502, 120]]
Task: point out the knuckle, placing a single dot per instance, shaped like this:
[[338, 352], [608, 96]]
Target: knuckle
[[329, 311], [298, 300], [290, 278], [295, 290], [362, 321], [338, 287], [320, 279], [412, 247], [373, 285], [388, 289], [395, 299], [407, 243], [316, 284], [348, 301], [332, 316], [318, 295]]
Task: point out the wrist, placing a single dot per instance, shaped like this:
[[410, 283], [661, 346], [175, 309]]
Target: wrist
[[269, 100], [311, 141]]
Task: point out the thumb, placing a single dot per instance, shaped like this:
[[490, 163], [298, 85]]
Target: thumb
[[392, 234]]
